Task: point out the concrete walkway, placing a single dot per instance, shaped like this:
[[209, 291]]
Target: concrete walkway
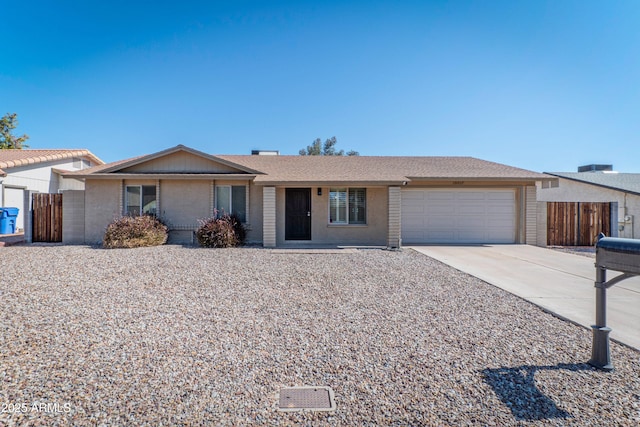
[[559, 282], [11, 239]]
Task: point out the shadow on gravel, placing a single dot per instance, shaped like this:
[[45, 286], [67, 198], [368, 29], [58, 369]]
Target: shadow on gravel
[[517, 389]]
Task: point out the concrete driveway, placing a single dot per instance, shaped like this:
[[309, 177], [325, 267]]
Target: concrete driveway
[[556, 281]]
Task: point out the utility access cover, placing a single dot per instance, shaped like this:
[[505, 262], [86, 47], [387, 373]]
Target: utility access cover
[[308, 398]]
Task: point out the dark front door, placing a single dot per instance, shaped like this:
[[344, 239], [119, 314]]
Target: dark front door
[[297, 222]]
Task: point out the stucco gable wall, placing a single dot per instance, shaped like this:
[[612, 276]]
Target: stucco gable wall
[[181, 162]]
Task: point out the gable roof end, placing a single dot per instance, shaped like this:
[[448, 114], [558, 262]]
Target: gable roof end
[[120, 165]]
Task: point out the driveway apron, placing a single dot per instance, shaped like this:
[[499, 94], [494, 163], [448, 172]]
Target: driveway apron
[[559, 282]]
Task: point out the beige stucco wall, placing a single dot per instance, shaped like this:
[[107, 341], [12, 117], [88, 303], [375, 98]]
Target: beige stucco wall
[[184, 202], [101, 206], [573, 191], [373, 233]]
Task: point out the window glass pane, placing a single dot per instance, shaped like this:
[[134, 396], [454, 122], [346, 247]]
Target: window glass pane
[[132, 200], [357, 206], [239, 201], [223, 199], [149, 199], [338, 205]]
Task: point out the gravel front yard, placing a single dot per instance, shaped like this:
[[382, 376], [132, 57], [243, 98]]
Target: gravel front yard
[[185, 336]]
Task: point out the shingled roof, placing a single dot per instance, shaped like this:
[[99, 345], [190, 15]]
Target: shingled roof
[[12, 158], [372, 169], [329, 170]]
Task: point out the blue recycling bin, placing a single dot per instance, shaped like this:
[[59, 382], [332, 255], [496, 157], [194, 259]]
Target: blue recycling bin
[[8, 217]]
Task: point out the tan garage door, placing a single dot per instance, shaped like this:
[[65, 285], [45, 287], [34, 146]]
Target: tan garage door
[[458, 216]]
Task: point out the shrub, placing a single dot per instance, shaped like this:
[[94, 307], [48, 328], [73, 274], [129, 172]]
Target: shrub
[[221, 232], [135, 232]]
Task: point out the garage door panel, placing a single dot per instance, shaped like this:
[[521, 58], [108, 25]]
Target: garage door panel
[[501, 210], [468, 209], [435, 196], [459, 216], [507, 196], [439, 209], [470, 223], [413, 209], [440, 235], [472, 196], [413, 195], [501, 224], [439, 222]]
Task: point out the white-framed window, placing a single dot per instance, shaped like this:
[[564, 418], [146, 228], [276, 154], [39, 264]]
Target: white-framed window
[[347, 206], [232, 199], [140, 200]]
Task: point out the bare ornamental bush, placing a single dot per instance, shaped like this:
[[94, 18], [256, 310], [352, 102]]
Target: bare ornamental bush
[[135, 232], [225, 231]]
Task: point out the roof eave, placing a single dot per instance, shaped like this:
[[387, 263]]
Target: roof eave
[[326, 183], [481, 178], [207, 176]]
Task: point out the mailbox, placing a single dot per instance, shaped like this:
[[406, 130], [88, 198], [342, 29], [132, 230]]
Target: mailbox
[[617, 254]]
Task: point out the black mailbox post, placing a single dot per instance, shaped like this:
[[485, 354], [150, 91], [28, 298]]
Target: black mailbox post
[[611, 254]]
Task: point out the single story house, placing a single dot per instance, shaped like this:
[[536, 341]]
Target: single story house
[[313, 200], [599, 184], [23, 172]]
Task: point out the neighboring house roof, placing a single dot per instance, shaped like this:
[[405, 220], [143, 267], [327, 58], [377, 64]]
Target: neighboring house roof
[[626, 182], [378, 170], [12, 158], [382, 169]]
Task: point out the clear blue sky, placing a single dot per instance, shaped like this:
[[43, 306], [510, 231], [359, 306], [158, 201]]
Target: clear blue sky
[[543, 85]]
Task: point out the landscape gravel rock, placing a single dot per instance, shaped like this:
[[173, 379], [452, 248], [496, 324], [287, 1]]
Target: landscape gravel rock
[[176, 335]]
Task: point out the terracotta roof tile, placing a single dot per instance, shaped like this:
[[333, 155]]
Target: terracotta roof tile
[[14, 158]]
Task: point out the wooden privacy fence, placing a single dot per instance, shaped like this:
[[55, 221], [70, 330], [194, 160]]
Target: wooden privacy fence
[[577, 223], [47, 217]]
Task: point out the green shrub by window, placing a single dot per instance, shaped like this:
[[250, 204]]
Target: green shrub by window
[[135, 232], [225, 231]]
